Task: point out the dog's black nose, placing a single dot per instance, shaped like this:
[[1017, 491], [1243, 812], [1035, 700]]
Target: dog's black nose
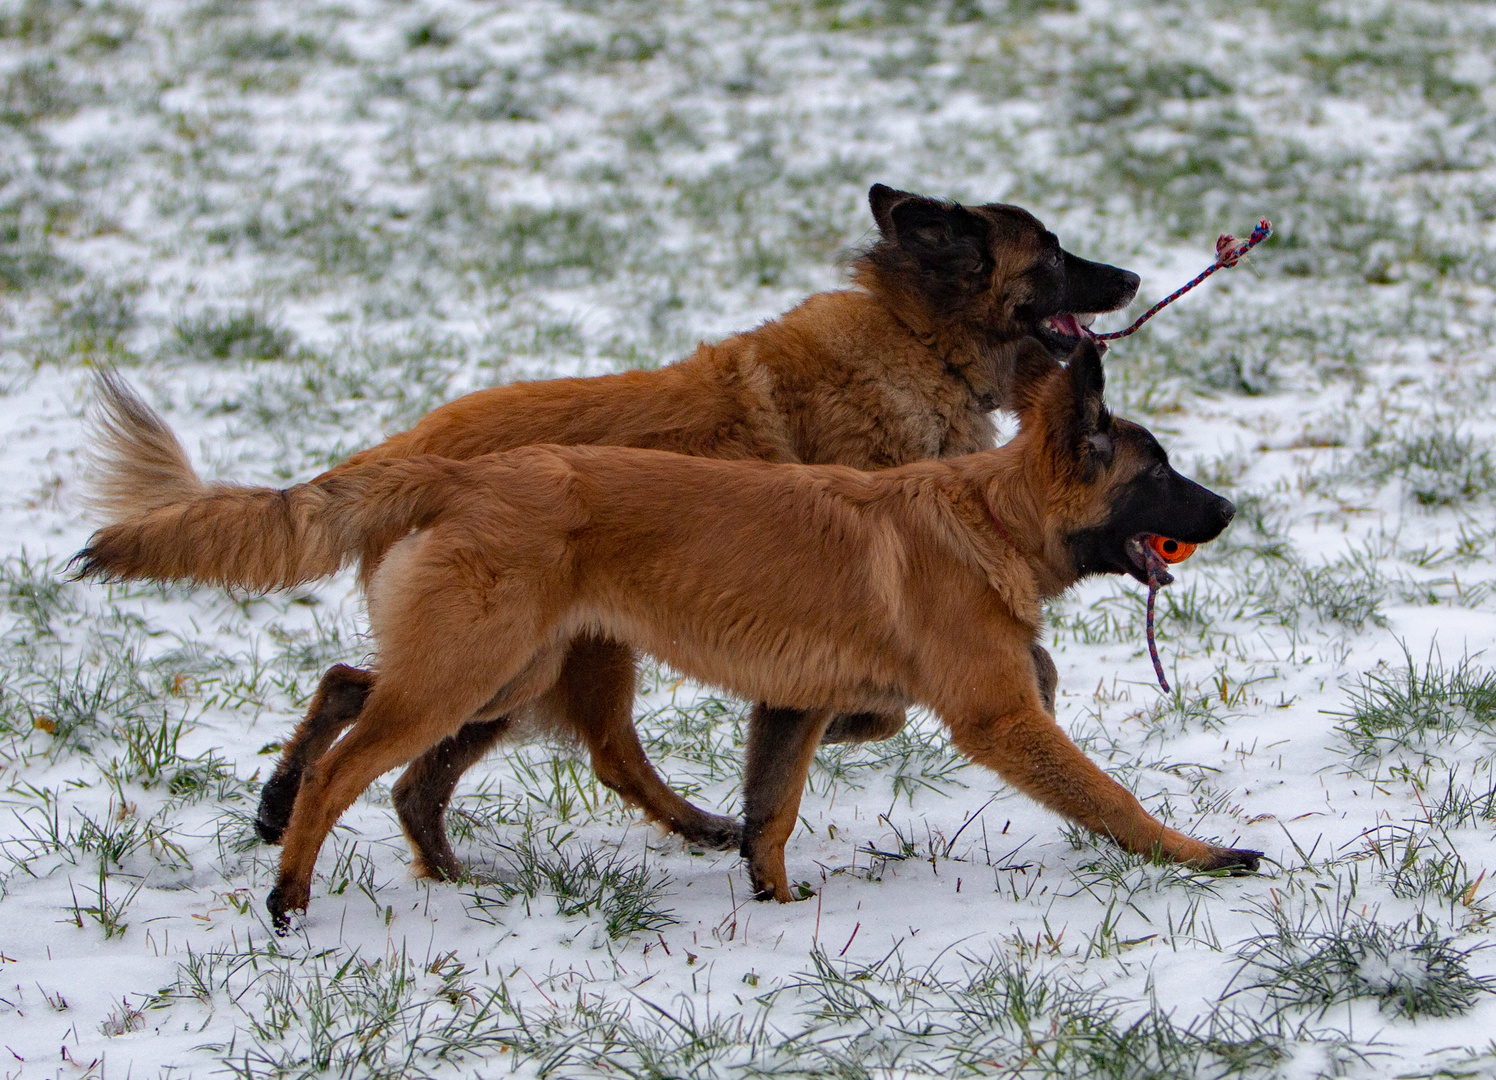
[[1227, 511], [1130, 283]]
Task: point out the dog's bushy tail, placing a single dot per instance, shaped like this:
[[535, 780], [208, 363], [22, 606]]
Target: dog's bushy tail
[[164, 523]]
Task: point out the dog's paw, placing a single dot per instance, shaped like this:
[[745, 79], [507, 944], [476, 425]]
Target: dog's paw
[[277, 798], [1234, 861], [268, 831], [281, 903], [712, 831]]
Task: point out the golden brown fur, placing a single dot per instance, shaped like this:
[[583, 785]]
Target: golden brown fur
[[821, 589], [903, 368]]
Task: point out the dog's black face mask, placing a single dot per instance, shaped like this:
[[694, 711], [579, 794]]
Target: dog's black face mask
[[1153, 499], [1080, 291]]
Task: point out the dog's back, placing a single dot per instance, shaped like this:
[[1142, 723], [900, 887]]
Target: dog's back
[[805, 569]]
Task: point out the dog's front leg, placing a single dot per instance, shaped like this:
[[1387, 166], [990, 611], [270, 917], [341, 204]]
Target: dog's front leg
[[1028, 749], [781, 745]]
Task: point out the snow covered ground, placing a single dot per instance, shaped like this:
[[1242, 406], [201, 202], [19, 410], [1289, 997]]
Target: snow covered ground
[[297, 227]]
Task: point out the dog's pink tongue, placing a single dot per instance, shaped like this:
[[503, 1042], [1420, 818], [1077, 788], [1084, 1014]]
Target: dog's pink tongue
[[1067, 323]]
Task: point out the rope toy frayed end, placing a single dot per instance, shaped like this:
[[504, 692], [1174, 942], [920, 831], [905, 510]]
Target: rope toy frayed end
[[1229, 249], [1229, 252]]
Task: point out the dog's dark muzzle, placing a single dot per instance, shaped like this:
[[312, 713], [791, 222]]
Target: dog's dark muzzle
[[1095, 287]]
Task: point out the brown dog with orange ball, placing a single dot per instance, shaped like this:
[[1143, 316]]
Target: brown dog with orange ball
[[817, 588]]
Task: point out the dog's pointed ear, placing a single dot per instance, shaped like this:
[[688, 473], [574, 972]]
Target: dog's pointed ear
[[1032, 367], [929, 227], [882, 199], [1087, 386], [1090, 439]]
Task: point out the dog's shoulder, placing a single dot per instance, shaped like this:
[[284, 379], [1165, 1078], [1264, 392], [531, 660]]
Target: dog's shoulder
[[850, 384]]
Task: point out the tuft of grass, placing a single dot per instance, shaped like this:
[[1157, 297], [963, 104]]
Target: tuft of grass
[[106, 909], [1437, 465], [917, 758], [1325, 956], [705, 733], [592, 881], [338, 1013], [268, 45], [1417, 708], [237, 335]]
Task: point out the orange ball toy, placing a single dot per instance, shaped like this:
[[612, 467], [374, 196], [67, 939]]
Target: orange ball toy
[[1171, 551]]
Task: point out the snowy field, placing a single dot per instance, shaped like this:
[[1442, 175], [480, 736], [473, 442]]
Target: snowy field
[[297, 227]]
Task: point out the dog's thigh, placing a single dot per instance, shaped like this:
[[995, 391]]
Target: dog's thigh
[[597, 701], [447, 654], [781, 745], [336, 704], [1047, 674], [864, 727]]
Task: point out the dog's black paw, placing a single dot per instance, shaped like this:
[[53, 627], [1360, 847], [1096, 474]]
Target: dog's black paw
[[1235, 861], [269, 832], [714, 832], [280, 905], [277, 798]]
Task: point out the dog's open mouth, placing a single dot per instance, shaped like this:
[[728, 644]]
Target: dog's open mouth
[[1071, 324], [1137, 556], [1063, 332]]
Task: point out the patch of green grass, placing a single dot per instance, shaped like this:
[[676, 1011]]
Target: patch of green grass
[[583, 880], [429, 34], [114, 837], [1323, 956], [515, 246], [1417, 709], [97, 320], [106, 909], [705, 734], [38, 90], [1460, 805], [272, 45], [235, 335], [1418, 862], [1437, 465], [917, 758], [387, 1018]]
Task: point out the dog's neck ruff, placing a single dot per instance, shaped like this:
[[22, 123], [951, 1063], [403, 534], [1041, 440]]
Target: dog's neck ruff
[[1001, 530], [930, 340], [1229, 251]]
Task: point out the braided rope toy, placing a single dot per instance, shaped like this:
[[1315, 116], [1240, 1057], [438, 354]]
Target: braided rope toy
[[1159, 551], [1229, 251]]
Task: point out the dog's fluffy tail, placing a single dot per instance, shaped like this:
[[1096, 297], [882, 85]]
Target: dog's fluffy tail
[[164, 523]]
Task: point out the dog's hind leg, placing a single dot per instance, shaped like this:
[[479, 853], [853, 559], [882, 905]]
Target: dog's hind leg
[[393, 727], [424, 790], [427, 686], [864, 727], [339, 697], [597, 699], [781, 745]]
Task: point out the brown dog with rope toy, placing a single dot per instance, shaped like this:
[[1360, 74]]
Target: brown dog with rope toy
[[906, 366], [817, 588]]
